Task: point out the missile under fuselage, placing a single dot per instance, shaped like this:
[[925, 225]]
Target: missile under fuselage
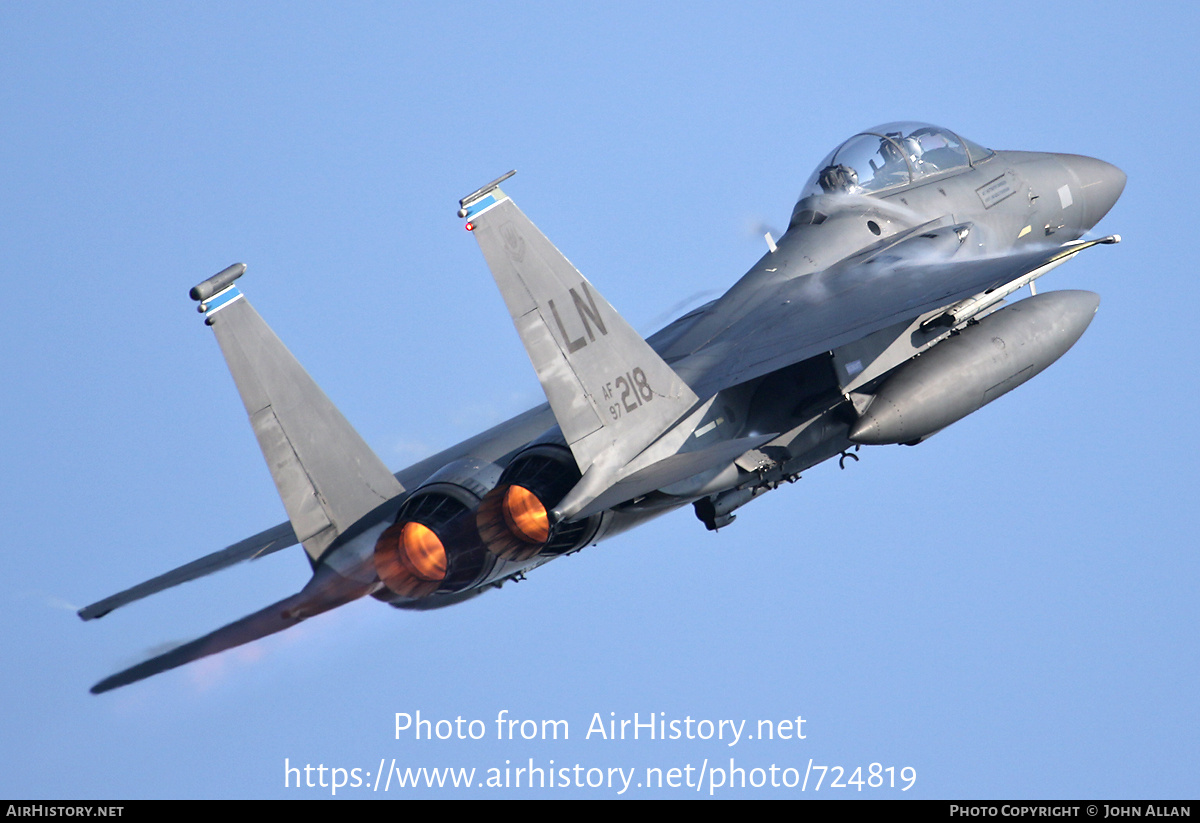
[[968, 370]]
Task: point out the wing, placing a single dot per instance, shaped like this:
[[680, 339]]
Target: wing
[[805, 316]]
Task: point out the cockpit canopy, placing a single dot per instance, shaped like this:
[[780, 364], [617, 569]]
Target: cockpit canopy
[[890, 156]]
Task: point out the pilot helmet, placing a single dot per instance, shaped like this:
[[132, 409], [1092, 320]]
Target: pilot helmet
[[838, 178]]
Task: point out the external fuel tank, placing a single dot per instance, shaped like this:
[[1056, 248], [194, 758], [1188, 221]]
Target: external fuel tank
[[970, 369]]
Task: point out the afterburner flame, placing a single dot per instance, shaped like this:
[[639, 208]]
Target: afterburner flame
[[525, 515], [410, 559], [423, 551]]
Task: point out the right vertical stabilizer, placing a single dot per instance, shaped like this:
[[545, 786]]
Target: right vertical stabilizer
[[611, 393]]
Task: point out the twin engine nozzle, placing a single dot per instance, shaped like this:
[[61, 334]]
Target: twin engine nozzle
[[470, 522]]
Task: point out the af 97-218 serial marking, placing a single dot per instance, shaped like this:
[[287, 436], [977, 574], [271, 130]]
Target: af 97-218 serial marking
[[634, 391]]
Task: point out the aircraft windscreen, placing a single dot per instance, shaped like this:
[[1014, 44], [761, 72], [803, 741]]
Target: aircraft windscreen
[[890, 156]]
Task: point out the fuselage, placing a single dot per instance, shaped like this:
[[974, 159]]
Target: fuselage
[[875, 189], [878, 318]]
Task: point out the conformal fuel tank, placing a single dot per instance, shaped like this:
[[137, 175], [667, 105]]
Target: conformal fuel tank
[[968, 370]]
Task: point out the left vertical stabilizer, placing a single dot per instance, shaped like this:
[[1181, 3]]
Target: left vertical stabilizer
[[327, 476]]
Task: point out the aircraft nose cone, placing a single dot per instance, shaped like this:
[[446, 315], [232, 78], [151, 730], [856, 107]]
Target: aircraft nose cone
[[1101, 184]]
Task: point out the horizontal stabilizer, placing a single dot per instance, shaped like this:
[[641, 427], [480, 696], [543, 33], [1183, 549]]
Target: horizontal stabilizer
[[611, 393], [260, 545], [325, 591], [327, 476]]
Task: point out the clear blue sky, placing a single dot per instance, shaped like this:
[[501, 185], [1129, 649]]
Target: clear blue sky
[[1010, 608]]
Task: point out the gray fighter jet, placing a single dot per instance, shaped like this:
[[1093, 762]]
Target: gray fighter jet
[[879, 317]]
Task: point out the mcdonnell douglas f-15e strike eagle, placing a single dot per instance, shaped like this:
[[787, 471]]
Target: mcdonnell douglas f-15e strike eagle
[[878, 317]]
